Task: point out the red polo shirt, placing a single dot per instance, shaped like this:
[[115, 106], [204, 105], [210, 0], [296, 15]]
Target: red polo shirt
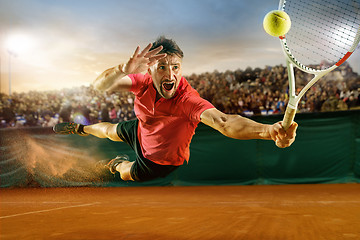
[[166, 127]]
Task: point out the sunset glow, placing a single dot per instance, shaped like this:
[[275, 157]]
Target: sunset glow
[[61, 44]]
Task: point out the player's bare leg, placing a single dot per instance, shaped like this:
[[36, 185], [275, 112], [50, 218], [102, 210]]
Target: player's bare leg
[[108, 130], [103, 130], [124, 170], [100, 130]]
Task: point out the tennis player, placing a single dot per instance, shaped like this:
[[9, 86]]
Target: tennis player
[[168, 111]]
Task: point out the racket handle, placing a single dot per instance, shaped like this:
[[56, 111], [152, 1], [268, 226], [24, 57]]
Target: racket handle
[[288, 117]]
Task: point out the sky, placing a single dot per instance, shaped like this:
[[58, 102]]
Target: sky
[[57, 44]]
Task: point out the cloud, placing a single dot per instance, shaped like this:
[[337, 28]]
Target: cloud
[[74, 40]]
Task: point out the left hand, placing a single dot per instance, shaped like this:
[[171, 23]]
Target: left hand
[[281, 138]]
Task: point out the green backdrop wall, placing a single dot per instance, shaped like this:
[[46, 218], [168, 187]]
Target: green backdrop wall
[[326, 150]]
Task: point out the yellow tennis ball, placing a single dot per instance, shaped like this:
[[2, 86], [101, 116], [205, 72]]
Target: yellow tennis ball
[[277, 23]]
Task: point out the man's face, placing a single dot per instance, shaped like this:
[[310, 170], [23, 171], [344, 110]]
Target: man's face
[[166, 75]]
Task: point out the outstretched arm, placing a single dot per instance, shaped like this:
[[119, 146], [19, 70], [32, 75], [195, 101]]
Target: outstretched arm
[[116, 79], [238, 127]]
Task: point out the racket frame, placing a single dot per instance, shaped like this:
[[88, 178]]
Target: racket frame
[[292, 62]]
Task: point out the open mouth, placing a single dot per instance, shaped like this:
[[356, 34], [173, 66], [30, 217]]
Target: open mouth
[[168, 86]]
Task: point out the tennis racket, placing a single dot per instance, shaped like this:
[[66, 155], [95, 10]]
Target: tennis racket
[[322, 31]]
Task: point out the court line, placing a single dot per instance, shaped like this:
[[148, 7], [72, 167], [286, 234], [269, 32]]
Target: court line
[[48, 210], [38, 202]]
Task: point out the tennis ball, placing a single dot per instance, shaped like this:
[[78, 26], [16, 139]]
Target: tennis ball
[[277, 23]]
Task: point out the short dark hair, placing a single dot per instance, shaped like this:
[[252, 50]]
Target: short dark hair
[[169, 46]]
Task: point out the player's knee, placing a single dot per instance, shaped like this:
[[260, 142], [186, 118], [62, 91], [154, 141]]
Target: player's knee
[[111, 132]]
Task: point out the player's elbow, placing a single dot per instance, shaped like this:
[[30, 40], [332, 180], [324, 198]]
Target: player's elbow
[[99, 85], [225, 125], [233, 126]]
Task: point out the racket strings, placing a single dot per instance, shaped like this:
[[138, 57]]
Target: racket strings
[[329, 20], [324, 37], [321, 30], [327, 36]]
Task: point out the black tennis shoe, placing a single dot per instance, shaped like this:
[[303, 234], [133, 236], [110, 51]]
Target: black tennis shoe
[[68, 128]]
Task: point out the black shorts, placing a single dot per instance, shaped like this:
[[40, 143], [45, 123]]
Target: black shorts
[[143, 169]]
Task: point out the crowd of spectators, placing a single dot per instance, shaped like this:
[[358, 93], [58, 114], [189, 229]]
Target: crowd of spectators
[[245, 92], [81, 104], [265, 91]]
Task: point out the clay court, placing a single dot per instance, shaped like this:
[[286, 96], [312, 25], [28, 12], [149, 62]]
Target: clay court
[[264, 196], [323, 211]]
